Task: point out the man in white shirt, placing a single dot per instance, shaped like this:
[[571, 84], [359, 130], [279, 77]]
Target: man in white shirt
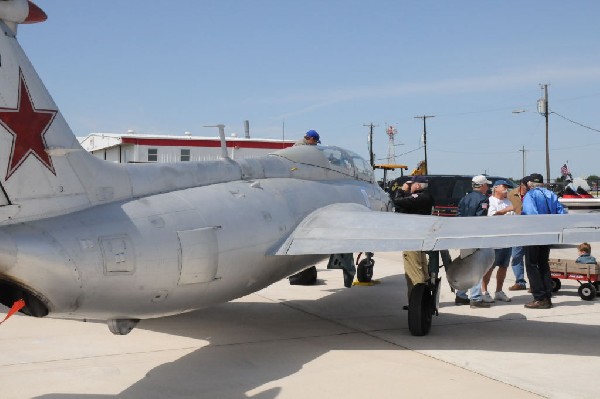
[[499, 205]]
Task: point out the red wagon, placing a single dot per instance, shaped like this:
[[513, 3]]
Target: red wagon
[[587, 275]]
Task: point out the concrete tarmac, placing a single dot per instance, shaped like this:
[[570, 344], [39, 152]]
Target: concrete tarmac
[[322, 341]]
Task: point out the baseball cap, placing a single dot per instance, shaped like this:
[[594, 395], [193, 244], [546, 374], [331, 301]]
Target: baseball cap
[[313, 134], [417, 179], [536, 178], [501, 182], [480, 180]]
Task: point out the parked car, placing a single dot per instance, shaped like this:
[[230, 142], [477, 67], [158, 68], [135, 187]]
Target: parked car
[[446, 190]]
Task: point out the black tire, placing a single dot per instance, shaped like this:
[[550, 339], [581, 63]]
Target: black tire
[[556, 284], [364, 271], [587, 291], [420, 310], [305, 277], [597, 287]]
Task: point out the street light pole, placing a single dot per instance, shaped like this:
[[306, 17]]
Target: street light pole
[[544, 110], [424, 117]]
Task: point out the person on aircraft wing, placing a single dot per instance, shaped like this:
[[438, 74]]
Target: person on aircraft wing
[[518, 253], [539, 201], [476, 203], [499, 205], [419, 202], [310, 138]]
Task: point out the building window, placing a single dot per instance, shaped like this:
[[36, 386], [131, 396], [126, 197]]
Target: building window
[[185, 155], [152, 154]]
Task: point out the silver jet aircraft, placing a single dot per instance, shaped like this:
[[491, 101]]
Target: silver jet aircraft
[[81, 238]]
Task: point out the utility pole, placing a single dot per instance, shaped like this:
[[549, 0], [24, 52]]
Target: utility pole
[[523, 150], [371, 155], [424, 117], [544, 110]]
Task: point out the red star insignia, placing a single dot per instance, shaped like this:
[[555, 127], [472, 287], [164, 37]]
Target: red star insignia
[[28, 126]]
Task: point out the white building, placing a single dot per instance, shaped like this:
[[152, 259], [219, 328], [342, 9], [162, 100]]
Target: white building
[[132, 147]]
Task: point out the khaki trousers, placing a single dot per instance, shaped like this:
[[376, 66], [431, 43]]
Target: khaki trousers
[[416, 269]]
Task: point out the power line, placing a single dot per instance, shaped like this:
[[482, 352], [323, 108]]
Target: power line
[[404, 153], [575, 122]]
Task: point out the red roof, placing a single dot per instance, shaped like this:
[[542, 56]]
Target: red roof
[[208, 142]]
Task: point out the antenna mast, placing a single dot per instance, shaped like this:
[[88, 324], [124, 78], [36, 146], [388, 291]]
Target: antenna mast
[[391, 153]]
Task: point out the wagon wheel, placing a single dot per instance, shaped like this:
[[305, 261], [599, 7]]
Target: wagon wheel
[[587, 291], [597, 287], [556, 284]]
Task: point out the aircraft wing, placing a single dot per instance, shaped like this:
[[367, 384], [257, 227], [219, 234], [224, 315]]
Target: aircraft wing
[[345, 228]]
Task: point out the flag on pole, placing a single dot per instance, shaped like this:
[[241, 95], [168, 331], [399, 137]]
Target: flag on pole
[[565, 172]]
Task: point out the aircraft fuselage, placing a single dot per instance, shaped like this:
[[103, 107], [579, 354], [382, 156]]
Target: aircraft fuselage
[[175, 251]]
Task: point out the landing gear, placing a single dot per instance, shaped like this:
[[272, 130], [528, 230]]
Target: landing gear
[[420, 310], [422, 305], [425, 297], [305, 277], [364, 270]]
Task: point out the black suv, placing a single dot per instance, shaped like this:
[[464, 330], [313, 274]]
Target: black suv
[[446, 190]]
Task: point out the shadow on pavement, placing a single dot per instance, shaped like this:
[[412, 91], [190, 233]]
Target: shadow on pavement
[[253, 344]]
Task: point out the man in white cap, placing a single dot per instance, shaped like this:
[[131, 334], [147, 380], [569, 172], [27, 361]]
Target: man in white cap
[[499, 205], [475, 203]]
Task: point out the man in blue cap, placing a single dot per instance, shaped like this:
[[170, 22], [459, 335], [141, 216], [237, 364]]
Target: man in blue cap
[[310, 138], [539, 201]]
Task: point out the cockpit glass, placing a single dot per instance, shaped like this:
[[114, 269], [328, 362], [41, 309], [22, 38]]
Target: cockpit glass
[[348, 161], [337, 157]]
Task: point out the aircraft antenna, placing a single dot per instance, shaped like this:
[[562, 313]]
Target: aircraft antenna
[[391, 154], [370, 139], [224, 153]]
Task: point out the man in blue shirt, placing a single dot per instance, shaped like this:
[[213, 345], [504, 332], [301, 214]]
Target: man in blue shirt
[[475, 203], [539, 201]]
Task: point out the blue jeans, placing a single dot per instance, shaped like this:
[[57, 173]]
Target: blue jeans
[[517, 265], [475, 292]]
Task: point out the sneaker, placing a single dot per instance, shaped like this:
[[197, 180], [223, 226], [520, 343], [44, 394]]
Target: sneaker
[[541, 304], [501, 296], [479, 304], [458, 301], [486, 297], [517, 287]]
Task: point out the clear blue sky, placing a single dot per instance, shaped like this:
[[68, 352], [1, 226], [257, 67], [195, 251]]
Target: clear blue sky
[[333, 65]]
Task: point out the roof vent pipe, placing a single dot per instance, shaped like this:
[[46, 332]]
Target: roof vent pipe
[[247, 129]]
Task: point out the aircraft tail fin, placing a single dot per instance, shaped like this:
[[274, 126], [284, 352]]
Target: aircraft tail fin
[[44, 171]]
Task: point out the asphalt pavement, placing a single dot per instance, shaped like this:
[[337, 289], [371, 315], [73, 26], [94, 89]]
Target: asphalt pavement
[[321, 341]]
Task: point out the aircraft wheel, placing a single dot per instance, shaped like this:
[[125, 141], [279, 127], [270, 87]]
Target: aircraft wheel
[[587, 291], [556, 284], [597, 287], [364, 270], [305, 277], [420, 310]]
